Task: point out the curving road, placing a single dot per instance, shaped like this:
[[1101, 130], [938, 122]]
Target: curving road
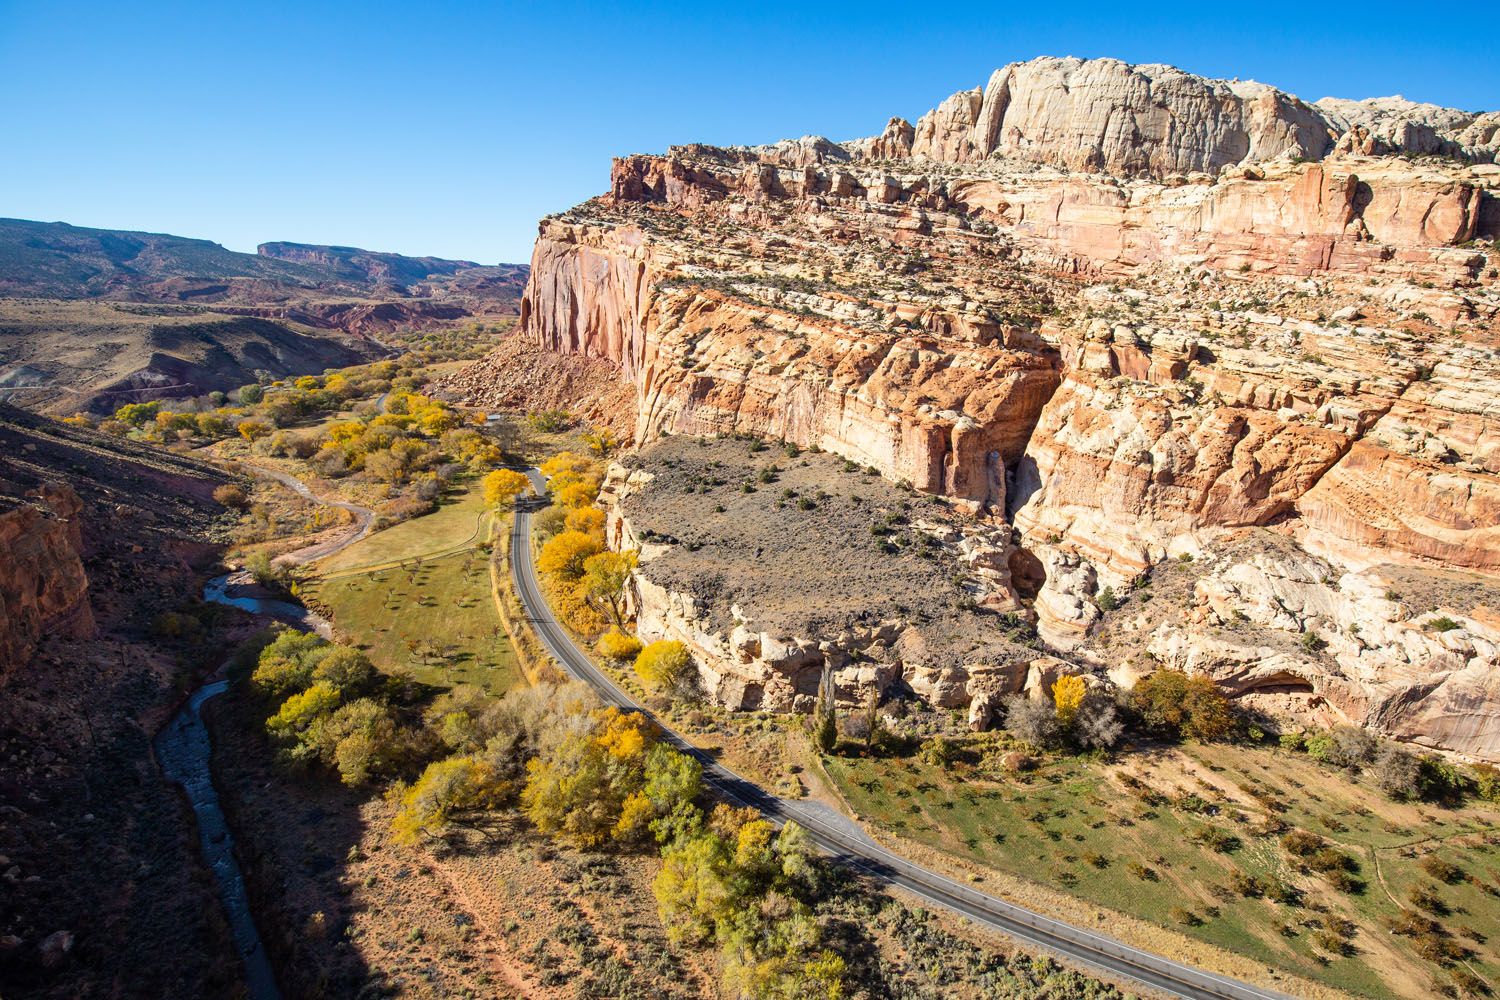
[[843, 839]]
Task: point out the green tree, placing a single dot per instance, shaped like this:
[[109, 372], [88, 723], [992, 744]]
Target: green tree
[[348, 670], [603, 581], [285, 665], [1177, 704]]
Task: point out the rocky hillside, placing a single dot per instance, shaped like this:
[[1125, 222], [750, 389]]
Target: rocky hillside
[[1130, 317], [392, 270], [103, 544], [57, 261], [91, 318]]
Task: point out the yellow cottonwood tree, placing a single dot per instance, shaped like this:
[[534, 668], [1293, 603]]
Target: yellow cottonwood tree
[[1067, 695]]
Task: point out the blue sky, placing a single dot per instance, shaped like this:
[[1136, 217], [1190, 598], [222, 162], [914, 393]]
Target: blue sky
[[450, 128]]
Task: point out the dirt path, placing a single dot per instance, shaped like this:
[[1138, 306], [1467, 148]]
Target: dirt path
[[364, 519]]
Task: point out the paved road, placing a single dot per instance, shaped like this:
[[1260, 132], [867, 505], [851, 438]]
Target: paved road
[[843, 839]]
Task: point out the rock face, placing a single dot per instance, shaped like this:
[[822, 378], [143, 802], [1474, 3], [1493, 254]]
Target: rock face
[[895, 611], [42, 581], [1122, 317], [1105, 116]]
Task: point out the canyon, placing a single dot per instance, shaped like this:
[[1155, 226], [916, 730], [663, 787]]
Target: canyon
[[1134, 326]]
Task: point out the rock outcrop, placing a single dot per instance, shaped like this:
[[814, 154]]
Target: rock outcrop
[[1120, 316], [1106, 116], [43, 585]]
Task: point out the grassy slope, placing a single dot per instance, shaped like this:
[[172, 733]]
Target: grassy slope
[[1075, 826]]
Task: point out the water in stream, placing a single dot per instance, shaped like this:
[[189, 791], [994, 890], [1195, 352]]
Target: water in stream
[[183, 749]]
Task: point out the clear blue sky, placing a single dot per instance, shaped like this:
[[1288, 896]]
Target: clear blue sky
[[450, 128]]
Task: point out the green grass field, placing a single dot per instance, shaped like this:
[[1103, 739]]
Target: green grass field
[[455, 524], [436, 624], [1087, 828]]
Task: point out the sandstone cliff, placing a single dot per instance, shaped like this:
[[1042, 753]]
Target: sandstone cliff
[[43, 586], [1105, 116], [1247, 321]]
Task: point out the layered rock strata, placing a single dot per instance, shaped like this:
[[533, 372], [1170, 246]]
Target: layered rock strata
[[1120, 315]]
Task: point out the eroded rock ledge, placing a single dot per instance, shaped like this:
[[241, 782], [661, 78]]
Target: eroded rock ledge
[[818, 568]]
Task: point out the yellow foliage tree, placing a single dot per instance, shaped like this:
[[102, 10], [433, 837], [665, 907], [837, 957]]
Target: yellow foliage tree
[[565, 553], [447, 791], [662, 664], [563, 462], [578, 494], [589, 520], [1067, 695], [253, 430], [502, 486], [603, 582]]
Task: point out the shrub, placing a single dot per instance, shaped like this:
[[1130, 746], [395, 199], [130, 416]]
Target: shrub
[[618, 645], [232, 496], [1441, 780], [1319, 745], [1097, 724], [1352, 747], [253, 430], [1313, 642], [251, 394], [1487, 782], [1443, 624], [1106, 600], [939, 751], [550, 421], [1032, 721], [1398, 774]]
